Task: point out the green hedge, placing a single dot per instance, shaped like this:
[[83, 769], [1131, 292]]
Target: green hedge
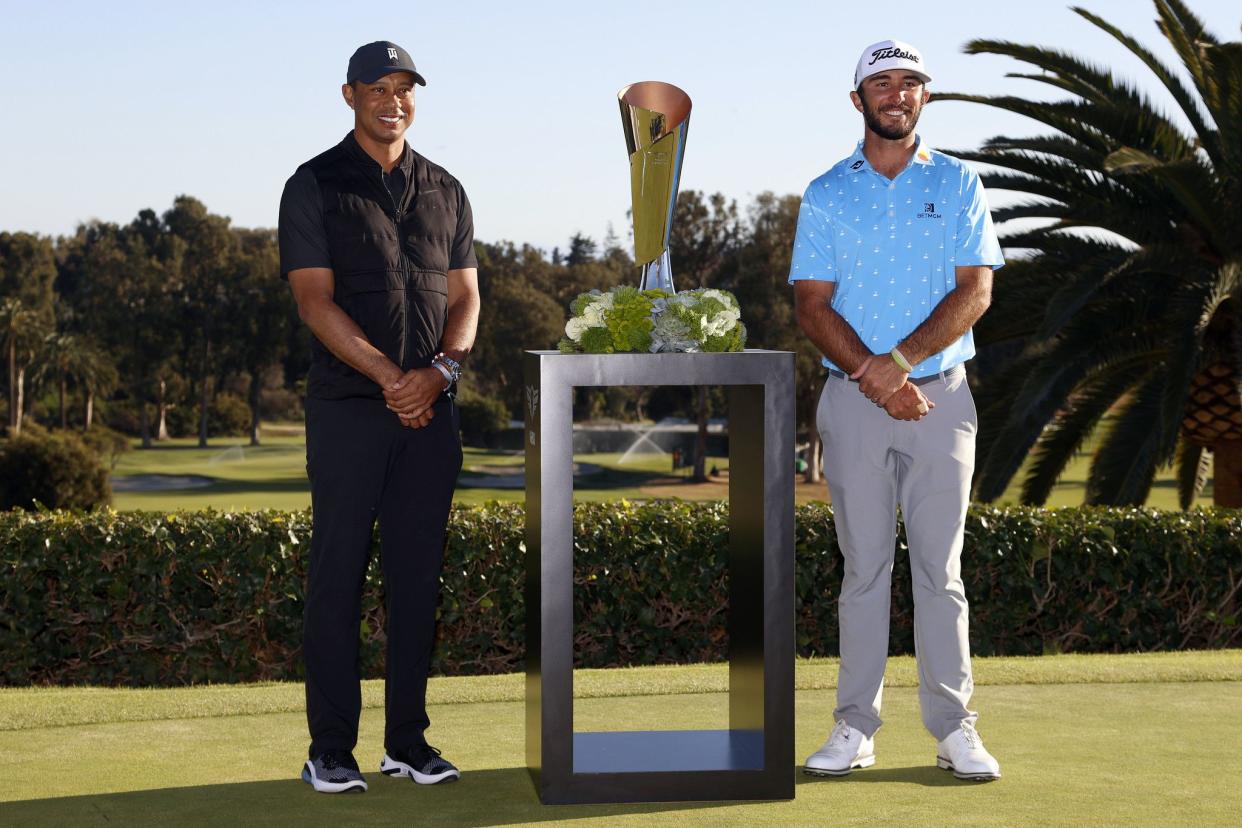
[[152, 599]]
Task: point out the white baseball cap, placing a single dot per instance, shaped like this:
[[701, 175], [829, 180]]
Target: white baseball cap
[[888, 55]]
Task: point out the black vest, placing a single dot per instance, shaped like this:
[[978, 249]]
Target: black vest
[[389, 260]]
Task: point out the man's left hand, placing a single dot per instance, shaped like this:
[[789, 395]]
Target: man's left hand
[[879, 378], [412, 396]]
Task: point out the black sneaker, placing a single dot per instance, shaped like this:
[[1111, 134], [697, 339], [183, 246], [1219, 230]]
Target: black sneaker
[[422, 763], [334, 771]]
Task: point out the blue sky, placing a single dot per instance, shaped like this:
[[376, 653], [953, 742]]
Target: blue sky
[[109, 108]]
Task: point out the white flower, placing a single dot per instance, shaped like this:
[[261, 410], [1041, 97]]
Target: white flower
[[721, 323], [575, 327], [593, 315]]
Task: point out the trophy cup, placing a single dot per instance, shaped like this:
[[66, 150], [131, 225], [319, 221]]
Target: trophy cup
[[655, 117]]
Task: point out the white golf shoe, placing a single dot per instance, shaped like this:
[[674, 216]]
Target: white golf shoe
[[845, 750], [962, 752]]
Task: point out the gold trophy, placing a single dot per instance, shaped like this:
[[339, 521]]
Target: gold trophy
[[656, 117]]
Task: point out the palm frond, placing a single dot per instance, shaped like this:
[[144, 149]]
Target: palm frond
[[1064, 116], [1224, 101], [1152, 267], [1108, 323], [1177, 12], [1124, 465], [1191, 310], [1048, 382], [1197, 192], [1186, 33], [1190, 104], [1071, 426], [1054, 145], [1027, 209]]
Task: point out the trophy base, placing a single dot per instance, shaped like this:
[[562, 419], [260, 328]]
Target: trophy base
[[658, 275]]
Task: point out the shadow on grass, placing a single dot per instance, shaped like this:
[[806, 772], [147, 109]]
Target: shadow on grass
[[928, 776], [225, 486], [218, 447], [499, 796], [608, 478]]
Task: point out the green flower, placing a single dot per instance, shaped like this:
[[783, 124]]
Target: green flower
[[597, 341]]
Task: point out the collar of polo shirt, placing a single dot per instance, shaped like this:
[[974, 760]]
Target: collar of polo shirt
[[922, 155]]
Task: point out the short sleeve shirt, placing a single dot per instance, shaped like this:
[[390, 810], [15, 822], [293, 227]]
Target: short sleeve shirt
[[891, 246]]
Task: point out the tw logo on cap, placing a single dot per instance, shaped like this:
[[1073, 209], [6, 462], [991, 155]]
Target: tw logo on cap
[[392, 53]]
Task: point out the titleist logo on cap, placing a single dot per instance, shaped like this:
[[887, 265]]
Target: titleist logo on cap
[[884, 54]]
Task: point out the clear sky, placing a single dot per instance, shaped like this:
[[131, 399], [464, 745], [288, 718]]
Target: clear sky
[[107, 108]]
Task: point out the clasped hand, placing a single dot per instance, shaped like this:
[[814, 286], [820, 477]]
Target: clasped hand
[[412, 396], [881, 380]]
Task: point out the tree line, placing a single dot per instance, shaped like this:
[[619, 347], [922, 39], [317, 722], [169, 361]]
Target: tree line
[[172, 312]]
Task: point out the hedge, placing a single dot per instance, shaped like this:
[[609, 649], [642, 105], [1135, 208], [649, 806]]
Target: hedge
[[168, 599]]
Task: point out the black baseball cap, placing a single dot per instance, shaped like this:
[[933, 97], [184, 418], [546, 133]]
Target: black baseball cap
[[375, 60]]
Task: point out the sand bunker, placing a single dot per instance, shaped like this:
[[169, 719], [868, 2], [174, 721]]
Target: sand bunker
[[509, 477], [160, 482]]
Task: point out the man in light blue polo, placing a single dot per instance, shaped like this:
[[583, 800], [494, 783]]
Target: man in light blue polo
[[892, 264]]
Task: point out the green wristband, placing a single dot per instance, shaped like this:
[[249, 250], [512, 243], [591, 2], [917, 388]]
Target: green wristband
[[901, 360]]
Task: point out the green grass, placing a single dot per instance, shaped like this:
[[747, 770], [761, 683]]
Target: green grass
[[1107, 740], [273, 476]]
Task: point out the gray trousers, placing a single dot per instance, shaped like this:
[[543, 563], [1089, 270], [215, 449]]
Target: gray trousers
[[874, 463]]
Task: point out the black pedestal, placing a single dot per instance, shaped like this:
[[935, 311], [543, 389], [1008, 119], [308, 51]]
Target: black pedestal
[[754, 758]]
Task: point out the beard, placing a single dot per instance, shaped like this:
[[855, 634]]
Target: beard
[[875, 123]]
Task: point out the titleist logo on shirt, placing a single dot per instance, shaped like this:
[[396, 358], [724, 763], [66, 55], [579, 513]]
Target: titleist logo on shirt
[[885, 54]]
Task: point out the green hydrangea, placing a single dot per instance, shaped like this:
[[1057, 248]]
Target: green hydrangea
[[629, 320]]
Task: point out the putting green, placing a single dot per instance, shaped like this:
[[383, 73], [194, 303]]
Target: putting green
[[1127, 747]]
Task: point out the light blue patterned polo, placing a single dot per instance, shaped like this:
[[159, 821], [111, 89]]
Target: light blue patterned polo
[[892, 246]]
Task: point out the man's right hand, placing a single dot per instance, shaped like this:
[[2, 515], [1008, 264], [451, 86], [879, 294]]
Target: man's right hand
[[908, 403], [393, 376]]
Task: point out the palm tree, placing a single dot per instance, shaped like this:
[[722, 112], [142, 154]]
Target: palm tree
[[20, 329], [1142, 322], [73, 359]]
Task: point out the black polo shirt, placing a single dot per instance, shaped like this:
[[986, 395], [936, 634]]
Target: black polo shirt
[[390, 240]]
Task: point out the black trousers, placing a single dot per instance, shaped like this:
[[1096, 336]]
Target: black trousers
[[363, 466]]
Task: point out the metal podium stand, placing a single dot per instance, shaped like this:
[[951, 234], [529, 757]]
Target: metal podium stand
[[754, 758]]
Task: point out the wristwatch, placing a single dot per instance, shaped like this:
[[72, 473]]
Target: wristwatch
[[446, 365]]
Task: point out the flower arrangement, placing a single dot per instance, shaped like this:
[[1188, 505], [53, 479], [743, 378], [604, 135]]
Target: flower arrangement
[[627, 320]]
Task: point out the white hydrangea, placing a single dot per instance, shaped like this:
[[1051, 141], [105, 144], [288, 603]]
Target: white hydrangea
[[721, 323], [593, 314], [575, 327]]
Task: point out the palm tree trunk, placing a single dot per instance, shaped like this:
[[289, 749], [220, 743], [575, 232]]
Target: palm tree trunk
[[202, 413], [90, 409], [204, 360], [14, 396], [21, 398], [700, 440], [64, 412], [1227, 474], [144, 423], [256, 387]]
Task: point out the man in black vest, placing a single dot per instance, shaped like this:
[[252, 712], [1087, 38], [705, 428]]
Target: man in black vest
[[378, 246]]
